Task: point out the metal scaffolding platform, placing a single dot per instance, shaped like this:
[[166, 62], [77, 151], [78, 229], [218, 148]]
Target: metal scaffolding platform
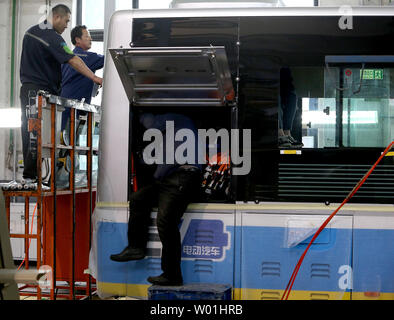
[[63, 212]]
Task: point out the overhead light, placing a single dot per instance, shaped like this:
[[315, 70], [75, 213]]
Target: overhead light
[[10, 117]]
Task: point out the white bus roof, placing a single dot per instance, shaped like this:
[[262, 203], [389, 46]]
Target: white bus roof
[[259, 12]]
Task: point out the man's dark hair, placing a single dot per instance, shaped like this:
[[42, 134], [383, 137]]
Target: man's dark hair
[[76, 32], [61, 10]]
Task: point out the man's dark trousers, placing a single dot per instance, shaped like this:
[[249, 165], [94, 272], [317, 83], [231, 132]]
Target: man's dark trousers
[[29, 161], [172, 195]]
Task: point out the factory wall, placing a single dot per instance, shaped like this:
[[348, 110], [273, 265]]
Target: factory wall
[[5, 57], [5, 54], [28, 13]]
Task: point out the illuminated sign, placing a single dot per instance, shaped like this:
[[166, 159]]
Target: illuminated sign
[[372, 74]]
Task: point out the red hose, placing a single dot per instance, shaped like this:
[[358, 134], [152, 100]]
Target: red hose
[[133, 174], [289, 286]]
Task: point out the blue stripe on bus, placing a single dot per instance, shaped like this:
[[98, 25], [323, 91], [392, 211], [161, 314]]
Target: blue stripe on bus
[[262, 260]]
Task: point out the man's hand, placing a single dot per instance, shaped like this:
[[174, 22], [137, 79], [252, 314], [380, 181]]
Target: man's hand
[[98, 80]]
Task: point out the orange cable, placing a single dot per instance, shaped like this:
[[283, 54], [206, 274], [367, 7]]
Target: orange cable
[[289, 286]]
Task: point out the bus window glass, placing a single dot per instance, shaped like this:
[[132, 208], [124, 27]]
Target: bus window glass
[[344, 106], [318, 122]]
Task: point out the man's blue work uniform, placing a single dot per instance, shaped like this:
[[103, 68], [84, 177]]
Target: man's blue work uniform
[[43, 53], [75, 85]]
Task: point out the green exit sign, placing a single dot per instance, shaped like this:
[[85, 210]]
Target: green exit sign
[[372, 74]]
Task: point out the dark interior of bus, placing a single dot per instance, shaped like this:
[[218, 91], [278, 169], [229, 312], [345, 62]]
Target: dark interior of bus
[[342, 82]]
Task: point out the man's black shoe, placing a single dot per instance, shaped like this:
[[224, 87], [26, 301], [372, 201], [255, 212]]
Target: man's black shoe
[[162, 280], [128, 254]]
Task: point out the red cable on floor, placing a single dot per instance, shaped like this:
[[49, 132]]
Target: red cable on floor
[[289, 286], [133, 174]]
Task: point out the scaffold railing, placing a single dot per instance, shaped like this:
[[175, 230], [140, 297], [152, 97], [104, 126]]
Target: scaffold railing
[[64, 199]]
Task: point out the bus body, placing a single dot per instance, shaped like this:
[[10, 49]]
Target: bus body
[[341, 68]]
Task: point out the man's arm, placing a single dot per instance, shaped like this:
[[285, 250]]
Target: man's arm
[[94, 61], [77, 63]]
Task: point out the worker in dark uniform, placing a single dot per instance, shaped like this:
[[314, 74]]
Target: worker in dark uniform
[[287, 110], [43, 53], [75, 85], [172, 190]]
